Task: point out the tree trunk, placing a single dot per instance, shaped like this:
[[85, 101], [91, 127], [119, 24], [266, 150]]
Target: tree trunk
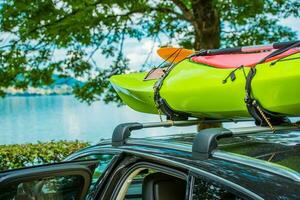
[[211, 125], [206, 24], [207, 33]]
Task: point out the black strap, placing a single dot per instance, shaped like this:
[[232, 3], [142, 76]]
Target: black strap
[[161, 104], [169, 112], [253, 104]]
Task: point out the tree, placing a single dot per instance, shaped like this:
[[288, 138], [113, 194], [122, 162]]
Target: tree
[[38, 29]]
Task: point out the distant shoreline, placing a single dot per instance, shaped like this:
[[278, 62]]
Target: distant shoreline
[[61, 86], [37, 95]]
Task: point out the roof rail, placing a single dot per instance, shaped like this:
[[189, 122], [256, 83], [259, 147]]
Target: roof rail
[[123, 131], [207, 140]]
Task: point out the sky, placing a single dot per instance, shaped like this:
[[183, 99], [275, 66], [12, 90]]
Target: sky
[[137, 51], [293, 23]]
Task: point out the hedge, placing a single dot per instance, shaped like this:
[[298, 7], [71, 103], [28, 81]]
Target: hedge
[[22, 155]]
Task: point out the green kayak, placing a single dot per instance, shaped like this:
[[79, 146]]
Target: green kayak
[[198, 87]]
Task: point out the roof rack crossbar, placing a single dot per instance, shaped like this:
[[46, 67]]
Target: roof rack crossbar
[[123, 131], [207, 140]]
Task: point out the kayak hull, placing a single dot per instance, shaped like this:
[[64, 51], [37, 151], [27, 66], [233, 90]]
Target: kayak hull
[[199, 90]]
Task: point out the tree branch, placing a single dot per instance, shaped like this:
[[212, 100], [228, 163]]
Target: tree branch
[[61, 19], [186, 12], [171, 11]]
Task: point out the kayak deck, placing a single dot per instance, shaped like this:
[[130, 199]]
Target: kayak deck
[[199, 90]]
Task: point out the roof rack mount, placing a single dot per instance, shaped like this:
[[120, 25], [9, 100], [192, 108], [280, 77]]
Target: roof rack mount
[[207, 140]]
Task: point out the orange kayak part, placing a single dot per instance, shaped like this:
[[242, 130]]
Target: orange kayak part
[[174, 55]]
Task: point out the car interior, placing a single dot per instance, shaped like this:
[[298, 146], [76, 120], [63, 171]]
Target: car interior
[[158, 186], [149, 184]]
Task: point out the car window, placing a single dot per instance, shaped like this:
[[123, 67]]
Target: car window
[[143, 183], [204, 190], [134, 191], [59, 188], [104, 161]]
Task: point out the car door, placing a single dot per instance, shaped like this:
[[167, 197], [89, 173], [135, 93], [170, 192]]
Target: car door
[[69, 180], [203, 187], [102, 176], [135, 177]]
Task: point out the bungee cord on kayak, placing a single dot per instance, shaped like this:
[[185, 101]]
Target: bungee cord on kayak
[[232, 76], [282, 60], [174, 55]]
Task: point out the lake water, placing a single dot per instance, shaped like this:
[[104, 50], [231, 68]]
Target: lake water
[[45, 118]]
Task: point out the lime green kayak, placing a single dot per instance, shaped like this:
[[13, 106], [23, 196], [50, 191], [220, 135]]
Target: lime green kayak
[[198, 89]]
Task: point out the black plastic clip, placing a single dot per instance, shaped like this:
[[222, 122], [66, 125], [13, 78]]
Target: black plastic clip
[[207, 140], [122, 132]]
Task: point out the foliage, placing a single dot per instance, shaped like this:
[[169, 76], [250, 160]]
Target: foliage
[[21, 155], [38, 30]]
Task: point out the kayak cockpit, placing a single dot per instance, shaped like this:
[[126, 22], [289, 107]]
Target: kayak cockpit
[[239, 59]]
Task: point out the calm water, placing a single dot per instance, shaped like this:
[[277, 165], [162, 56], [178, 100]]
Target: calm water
[[45, 118]]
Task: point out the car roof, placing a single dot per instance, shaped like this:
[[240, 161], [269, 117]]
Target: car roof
[[247, 176], [250, 161], [282, 147], [250, 157]]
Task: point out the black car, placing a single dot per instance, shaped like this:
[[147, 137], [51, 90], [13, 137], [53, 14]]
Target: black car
[[215, 163]]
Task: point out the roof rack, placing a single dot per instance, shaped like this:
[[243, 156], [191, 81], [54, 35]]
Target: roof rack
[[205, 140], [123, 131]]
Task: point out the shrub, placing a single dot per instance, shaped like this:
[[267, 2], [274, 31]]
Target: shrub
[[21, 155]]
